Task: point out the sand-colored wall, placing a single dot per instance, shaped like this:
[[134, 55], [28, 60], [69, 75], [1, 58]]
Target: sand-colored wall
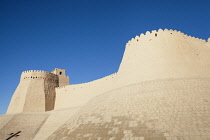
[[79, 94], [63, 79], [167, 109], [35, 92], [154, 55], [164, 54], [208, 43]]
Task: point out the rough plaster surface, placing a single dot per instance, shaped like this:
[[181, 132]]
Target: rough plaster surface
[[161, 91], [4, 119]]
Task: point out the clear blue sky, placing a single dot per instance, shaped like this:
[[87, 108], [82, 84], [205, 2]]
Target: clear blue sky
[[85, 37]]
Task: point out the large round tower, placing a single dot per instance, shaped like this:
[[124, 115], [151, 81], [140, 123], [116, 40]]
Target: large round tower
[[164, 54]]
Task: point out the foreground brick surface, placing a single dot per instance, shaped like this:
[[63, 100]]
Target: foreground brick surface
[[156, 110]]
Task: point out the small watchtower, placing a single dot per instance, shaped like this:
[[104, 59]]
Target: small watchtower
[[63, 79]]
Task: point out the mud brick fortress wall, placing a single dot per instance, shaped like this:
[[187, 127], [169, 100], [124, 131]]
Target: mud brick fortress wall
[[79, 94], [156, 55], [164, 54]]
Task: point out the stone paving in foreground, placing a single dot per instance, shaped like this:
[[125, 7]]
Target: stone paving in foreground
[[154, 110]]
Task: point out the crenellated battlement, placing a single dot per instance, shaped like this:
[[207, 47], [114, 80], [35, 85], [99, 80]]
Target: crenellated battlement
[[148, 36], [39, 74], [39, 78], [38, 71]]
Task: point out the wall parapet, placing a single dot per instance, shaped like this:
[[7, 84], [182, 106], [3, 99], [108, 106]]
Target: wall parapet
[[39, 74], [79, 94], [38, 71], [91, 82], [154, 33]]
